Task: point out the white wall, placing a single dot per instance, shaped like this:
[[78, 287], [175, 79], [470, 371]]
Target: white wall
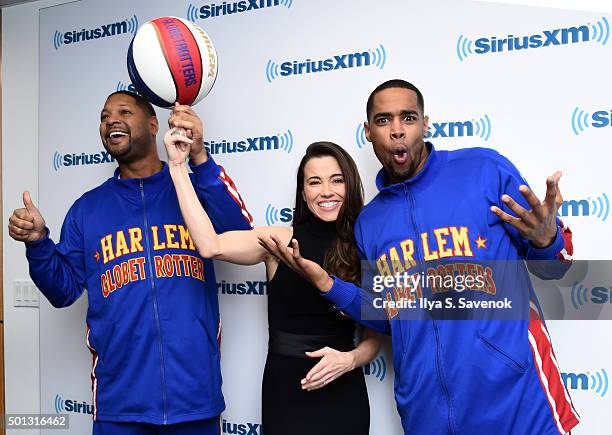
[[19, 172]]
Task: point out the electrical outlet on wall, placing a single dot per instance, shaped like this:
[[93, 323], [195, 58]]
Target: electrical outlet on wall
[[25, 293]]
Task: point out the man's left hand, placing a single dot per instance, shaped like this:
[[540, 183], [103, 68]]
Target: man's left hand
[[538, 225], [184, 117]]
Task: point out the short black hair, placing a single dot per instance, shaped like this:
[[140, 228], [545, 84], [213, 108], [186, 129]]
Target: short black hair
[[395, 83], [140, 102]]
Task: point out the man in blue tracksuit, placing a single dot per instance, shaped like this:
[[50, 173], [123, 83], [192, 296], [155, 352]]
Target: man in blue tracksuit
[[456, 214], [153, 319]]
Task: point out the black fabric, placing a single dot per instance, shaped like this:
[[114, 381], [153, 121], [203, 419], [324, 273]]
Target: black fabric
[[296, 345], [298, 318]]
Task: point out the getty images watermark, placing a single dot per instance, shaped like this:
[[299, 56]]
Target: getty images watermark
[[486, 290], [448, 286]]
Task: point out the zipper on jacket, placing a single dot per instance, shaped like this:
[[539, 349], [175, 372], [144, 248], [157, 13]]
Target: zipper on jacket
[[155, 309], [441, 377]]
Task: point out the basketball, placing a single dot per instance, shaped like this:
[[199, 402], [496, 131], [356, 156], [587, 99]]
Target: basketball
[[172, 60]]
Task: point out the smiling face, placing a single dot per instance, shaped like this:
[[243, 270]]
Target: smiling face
[[324, 187], [396, 128], [127, 131]]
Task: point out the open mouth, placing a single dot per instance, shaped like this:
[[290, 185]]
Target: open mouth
[[116, 136], [400, 156]]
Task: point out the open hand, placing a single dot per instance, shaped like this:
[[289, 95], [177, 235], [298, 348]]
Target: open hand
[[332, 365], [538, 225], [291, 256]]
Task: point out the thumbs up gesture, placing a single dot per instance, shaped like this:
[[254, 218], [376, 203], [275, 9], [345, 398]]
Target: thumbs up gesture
[[27, 224]]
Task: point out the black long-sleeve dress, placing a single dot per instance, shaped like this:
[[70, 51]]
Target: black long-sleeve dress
[[300, 319]]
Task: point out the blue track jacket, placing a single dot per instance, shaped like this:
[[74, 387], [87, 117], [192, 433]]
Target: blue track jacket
[[481, 374], [153, 318]]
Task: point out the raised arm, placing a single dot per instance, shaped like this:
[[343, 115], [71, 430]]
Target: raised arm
[[545, 242], [238, 247], [215, 189], [354, 301]]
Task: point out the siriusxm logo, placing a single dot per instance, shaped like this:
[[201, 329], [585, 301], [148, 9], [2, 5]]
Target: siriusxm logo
[[597, 383], [377, 368], [598, 32], [473, 128], [82, 159], [281, 141], [372, 57], [241, 428], [598, 208], [582, 120], [63, 406], [582, 295], [129, 25], [275, 215], [257, 288], [213, 10], [129, 87]]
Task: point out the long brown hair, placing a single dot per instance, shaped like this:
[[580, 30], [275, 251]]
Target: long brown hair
[[342, 258]]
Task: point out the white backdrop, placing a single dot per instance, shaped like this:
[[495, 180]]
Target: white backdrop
[[546, 108]]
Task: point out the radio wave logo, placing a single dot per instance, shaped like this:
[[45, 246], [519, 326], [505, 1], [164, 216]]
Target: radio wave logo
[[598, 207], [272, 71], [59, 404], [376, 57], [275, 215], [132, 24], [580, 121], [286, 141], [127, 26], [597, 382], [192, 13], [360, 137], [598, 32], [230, 8], [376, 368], [464, 47], [579, 295], [57, 161], [379, 56], [483, 127], [57, 39]]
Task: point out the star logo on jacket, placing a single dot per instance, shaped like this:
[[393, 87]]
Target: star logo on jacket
[[97, 256], [480, 242]]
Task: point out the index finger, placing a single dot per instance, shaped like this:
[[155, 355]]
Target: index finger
[[182, 108], [310, 376], [552, 189]]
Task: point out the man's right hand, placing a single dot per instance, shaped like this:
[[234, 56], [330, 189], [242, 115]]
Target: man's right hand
[[27, 224]]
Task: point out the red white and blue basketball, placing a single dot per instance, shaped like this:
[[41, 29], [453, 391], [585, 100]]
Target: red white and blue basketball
[[171, 59]]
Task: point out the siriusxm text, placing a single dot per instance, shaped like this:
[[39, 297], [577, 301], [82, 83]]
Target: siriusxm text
[[229, 8]]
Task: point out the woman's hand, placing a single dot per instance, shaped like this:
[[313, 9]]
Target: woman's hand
[[177, 146], [333, 364]]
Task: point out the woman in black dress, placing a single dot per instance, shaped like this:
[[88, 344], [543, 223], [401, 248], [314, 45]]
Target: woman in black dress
[[309, 383]]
